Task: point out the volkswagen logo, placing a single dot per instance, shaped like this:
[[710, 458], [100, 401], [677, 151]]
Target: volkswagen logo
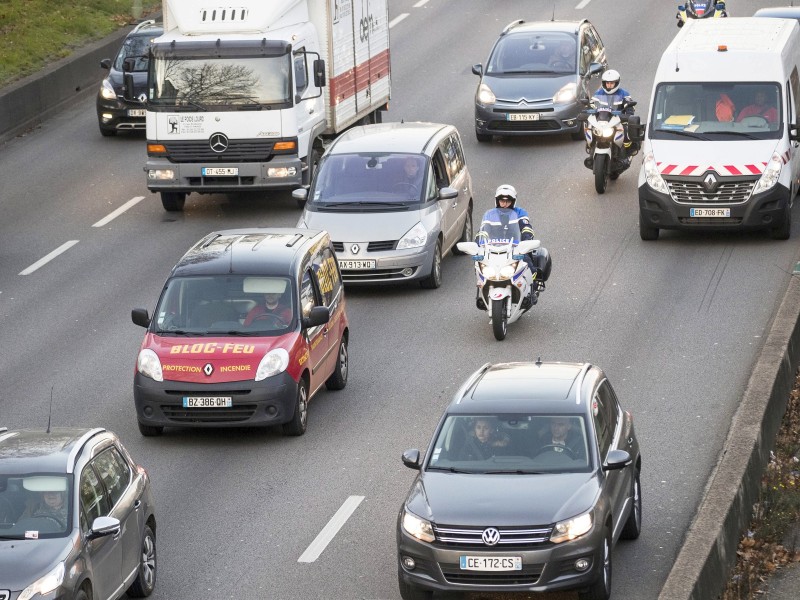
[[710, 182], [355, 248], [490, 536], [208, 369], [218, 142]]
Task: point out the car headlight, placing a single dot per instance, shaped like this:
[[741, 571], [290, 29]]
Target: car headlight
[[566, 94], [44, 585], [418, 528], [652, 176], [274, 362], [570, 529], [149, 365], [415, 237], [485, 95], [771, 174], [107, 90]]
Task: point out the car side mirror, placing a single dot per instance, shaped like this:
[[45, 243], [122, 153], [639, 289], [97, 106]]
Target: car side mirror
[[595, 68], [447, 193], [794, 132], [140, 317], [105, 64], [319, 72], [319, 316], [103, 526], [470, 248], [411, 459], [616, 460], [477, 70], [300, 194]]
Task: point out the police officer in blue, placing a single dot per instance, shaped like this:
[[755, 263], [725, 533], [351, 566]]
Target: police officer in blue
[[611, 94]]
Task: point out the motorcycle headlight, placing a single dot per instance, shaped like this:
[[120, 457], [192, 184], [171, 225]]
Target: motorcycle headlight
[[485, 95], [418, 528], [274, 362], [566, 94], [603, 131], [771, 174], [652, 176], [149, 365], [570, 529], [107, 90], [416, 237], [44, 585], [507, 272], [488, 271]]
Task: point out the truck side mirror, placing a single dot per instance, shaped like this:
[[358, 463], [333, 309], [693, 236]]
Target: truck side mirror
[[319, 73]]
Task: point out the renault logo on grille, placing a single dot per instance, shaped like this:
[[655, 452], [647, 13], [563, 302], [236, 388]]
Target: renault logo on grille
[[218, 142], [710, 182], [208, 369], [142, 98], [355, 248], [490, 536]]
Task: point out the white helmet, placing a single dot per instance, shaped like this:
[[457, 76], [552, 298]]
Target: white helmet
[[505, 192], [610, 81]]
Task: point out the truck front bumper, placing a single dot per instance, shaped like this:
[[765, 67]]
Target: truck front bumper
[[282, 172]]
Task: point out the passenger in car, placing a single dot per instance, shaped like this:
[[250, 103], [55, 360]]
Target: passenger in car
[[484, 440]]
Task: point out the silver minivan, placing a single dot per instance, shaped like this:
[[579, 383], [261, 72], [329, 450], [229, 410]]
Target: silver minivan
[[395, 198]]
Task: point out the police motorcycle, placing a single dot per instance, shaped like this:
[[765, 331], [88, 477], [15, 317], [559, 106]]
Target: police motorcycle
[[604, 130], [700, 10], [507, 286]]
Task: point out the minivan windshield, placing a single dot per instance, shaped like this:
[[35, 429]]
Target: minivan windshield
[[226, 305], [35, 505], [717, 111], [515, 444], [370, 180], [533, 53]]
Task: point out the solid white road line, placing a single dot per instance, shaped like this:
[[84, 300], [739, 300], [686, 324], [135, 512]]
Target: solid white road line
[[420, 3], [397, 19], [330, 530], [119, 211], [582, 4], [40, 263]]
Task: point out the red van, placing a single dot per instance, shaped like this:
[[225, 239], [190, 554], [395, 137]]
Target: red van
[[251, 324]]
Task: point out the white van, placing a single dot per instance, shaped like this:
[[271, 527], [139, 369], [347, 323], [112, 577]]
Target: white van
[[720, 149]]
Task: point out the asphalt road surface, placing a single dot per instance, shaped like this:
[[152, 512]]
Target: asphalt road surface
[[676, 324]]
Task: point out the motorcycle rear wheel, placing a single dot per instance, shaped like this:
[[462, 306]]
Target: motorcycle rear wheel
[[600, 172], [499, 319]]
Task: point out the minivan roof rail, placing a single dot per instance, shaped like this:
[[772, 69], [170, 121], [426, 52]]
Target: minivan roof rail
[[511, 25], [143, 24]]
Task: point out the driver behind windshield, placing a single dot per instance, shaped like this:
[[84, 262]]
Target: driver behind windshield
[[274, 307]]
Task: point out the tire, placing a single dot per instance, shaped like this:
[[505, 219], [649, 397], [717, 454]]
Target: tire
[[80, 595], [313, 163], [499, 319], [601, 589], [150, 430], [173, 201], [648, 234], [600, 172], [577, 136], [633, 526], [108, 132], [434, 280], [785, 230], [338, 378], [297, 426], [145, 581], [483, 137], [466, 233], [409, 592]]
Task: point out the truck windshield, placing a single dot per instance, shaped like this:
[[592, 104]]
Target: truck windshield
[[220, 81], [717, 111]]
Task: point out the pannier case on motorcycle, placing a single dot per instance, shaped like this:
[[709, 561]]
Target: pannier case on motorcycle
[[710, 169]]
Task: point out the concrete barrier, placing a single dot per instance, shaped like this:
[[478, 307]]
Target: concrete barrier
[[708, 552], [26, 103]]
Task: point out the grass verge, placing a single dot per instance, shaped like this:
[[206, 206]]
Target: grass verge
[[773, 538], [37, 32]]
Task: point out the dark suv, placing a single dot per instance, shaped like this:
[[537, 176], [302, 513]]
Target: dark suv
[[535, 78], [76, 517], [114, 113], [531, 477]]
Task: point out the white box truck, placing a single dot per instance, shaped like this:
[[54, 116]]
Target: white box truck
[[242, 96], [721, 146]]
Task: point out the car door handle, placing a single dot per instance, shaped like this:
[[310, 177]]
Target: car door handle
[[455, 204], [137, 505]]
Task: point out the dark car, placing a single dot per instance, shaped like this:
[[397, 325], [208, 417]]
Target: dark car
[[535, 78], [251, 324], [530, 479], [114, 113], [77, 517]]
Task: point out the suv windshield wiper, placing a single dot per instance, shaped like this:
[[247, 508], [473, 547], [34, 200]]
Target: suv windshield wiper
[[515, 472], [690, 134], [362, 203], [535, 72], [451, 470], [743, 134]]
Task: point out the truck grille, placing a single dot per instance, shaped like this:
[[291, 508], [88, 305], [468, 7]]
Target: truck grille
[[729, 192], [237, 151], [470, 537]]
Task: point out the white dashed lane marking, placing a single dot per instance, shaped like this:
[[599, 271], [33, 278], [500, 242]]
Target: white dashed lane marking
[[43, 261], [130, 203], [330, 530]]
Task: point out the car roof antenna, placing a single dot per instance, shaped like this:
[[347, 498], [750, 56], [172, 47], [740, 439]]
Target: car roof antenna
[[50, 412], [539, 361], [553, 18]]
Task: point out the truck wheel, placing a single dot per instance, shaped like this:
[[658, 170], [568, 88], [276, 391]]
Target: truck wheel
[[600, 172], [648, 234], [785, 230], [173, 201]]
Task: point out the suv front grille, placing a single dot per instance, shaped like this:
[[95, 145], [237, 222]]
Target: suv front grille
[[529, 575], [729, 192], [470, 537], [238, 150]]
